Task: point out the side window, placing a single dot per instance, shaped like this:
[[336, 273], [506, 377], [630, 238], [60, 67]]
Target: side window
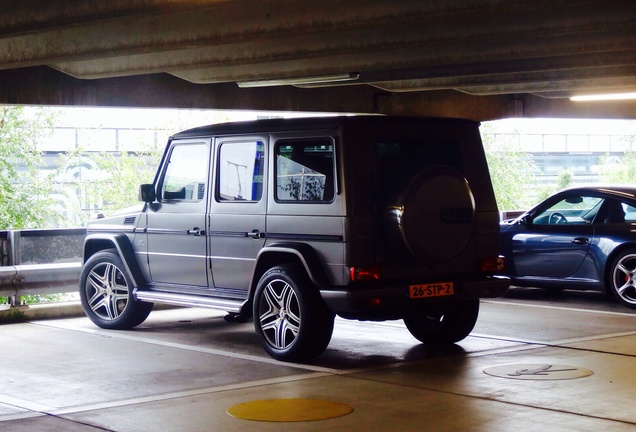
[[186, 175], [240, 171], [569, 211], [304, 170], [614, 212], [630, 213]]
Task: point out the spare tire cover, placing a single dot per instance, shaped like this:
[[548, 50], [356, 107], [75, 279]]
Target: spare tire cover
[[433, 218]]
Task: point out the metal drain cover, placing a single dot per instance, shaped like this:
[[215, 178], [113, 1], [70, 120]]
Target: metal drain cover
[[537, 372]]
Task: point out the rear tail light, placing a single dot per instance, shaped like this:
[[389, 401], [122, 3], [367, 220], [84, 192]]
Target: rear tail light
[[365, 273], [492, 264]]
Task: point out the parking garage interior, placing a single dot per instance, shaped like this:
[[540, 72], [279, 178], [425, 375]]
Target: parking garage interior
[[536, 360]]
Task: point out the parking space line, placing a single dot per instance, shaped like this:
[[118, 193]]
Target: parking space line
[[560, 343], [23, 404], [313, 372], [186, 393], [213, 351], [563, 308]]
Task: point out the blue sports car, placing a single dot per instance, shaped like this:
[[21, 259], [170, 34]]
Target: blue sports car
[[581, 238]]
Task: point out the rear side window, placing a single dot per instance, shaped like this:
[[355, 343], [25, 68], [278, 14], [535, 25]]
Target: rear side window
[[630, 213], [240, 169], [304, 171], [186, 174]]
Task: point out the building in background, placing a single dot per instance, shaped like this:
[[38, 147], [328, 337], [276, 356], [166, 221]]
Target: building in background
[[554, 145]]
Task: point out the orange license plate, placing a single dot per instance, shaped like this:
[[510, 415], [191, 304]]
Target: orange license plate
[[432, 290]]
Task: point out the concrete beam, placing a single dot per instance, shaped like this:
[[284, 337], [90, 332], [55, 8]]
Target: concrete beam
[[482, 108], [45, 86]]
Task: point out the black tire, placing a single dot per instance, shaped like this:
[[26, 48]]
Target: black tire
[[444, 327], [622, 275], [106, 292], [290, 318]]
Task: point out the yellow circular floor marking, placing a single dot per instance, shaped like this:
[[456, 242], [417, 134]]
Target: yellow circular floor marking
[[289, 410]]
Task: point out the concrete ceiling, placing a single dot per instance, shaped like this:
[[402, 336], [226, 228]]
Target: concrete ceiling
[[479, 59]]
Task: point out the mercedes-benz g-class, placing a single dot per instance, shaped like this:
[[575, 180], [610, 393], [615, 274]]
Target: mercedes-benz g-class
[[294, 221]]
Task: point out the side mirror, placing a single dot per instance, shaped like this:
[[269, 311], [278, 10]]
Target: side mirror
[[526, 220], [147, 193]]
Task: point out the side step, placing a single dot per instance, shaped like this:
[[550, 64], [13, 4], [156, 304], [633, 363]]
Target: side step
[[228, 305]]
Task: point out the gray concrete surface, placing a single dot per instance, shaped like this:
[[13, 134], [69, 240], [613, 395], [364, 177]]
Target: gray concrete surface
[[183, 368]]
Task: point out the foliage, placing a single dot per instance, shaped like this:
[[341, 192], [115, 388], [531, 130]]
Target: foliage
[[117, 175], [565, 179], [41, 298], [24, 193], [511, 170], [620, 170], [122, 173]]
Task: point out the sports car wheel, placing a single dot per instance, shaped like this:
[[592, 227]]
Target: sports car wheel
[[444, 327], [106, 293], [622, 283], [290, 318]]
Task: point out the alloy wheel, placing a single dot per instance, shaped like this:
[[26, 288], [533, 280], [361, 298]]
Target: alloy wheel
[[108, 292], [279, 314], [623, 279]]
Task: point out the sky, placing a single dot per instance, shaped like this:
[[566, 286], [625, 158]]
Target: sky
[[180, 119], [140, 117]]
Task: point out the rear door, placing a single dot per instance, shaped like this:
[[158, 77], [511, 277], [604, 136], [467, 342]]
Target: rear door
[[237, 217]]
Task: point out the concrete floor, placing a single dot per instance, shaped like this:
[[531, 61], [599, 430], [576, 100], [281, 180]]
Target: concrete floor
[[183, 368]]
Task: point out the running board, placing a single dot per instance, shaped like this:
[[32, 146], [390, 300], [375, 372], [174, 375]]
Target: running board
[[232, 306]]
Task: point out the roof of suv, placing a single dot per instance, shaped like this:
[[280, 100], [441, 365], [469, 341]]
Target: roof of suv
[[300, 123]]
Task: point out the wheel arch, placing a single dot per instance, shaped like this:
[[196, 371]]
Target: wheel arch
[[610, 260], [100, 242], [298, 254]]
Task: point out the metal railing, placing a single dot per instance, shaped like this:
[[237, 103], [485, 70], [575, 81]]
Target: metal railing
[[36, 262], [48, 261]]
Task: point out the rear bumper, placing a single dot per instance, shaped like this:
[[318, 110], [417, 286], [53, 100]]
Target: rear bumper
[[385, 302]]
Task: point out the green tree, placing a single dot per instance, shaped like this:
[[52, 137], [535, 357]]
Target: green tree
[[511, 171], [620, 170], [24, 192], [565, 179], [122, 173]]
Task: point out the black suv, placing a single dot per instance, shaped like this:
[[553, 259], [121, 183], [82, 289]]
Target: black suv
[[293, 221]]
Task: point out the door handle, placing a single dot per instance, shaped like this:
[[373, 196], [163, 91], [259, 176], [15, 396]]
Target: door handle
[[255, 234], [581, 240], [196, 232]]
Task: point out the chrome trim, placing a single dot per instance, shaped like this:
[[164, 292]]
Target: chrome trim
[[174, 255], [233, 306]]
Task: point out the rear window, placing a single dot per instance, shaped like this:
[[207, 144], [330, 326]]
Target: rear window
[[304, 171], [400, 161]]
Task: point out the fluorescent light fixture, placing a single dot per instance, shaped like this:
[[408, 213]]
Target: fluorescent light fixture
[[604, 97], [324, 79]]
